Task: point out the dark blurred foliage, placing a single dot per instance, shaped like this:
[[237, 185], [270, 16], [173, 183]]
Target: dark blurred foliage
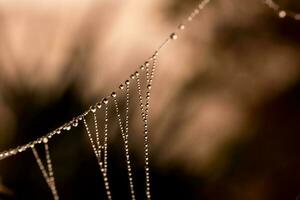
[[230, 129]]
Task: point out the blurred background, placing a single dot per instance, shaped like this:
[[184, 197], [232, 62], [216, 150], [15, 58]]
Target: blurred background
[[225, 115]]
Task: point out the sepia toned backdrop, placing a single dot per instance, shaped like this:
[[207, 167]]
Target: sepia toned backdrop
[[225, 114]]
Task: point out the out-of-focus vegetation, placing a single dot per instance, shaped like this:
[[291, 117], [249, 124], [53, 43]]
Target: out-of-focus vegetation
[[224, 123]]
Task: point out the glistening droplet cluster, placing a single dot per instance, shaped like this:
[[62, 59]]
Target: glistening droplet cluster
[[100, 149]]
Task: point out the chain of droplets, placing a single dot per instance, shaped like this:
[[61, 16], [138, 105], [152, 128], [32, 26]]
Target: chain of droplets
[[105, 138], [144, 114], [74, 122], [48, 176], [124, 133], [97, 148], [281, 12]]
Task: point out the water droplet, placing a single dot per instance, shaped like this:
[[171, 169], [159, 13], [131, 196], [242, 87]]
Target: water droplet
[[149, 86], [105, 101], [132, 76], [93, 109], [121, 87], [13, 152], [75, 123], [20, 149], [136, 74], [127, 82], [147, 64], [181, 26], [98, 105], [142, 67], [45, 140], [67, 127], [173, 36], [114, 95], [282, 14], [58, 132]]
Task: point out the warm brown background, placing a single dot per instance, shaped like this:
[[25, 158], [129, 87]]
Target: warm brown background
[[225, 118]]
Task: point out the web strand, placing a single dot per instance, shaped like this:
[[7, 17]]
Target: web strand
[[74, 122], [144, 107], [47, 174], [282, 13], [101, 149], [124, 133]]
